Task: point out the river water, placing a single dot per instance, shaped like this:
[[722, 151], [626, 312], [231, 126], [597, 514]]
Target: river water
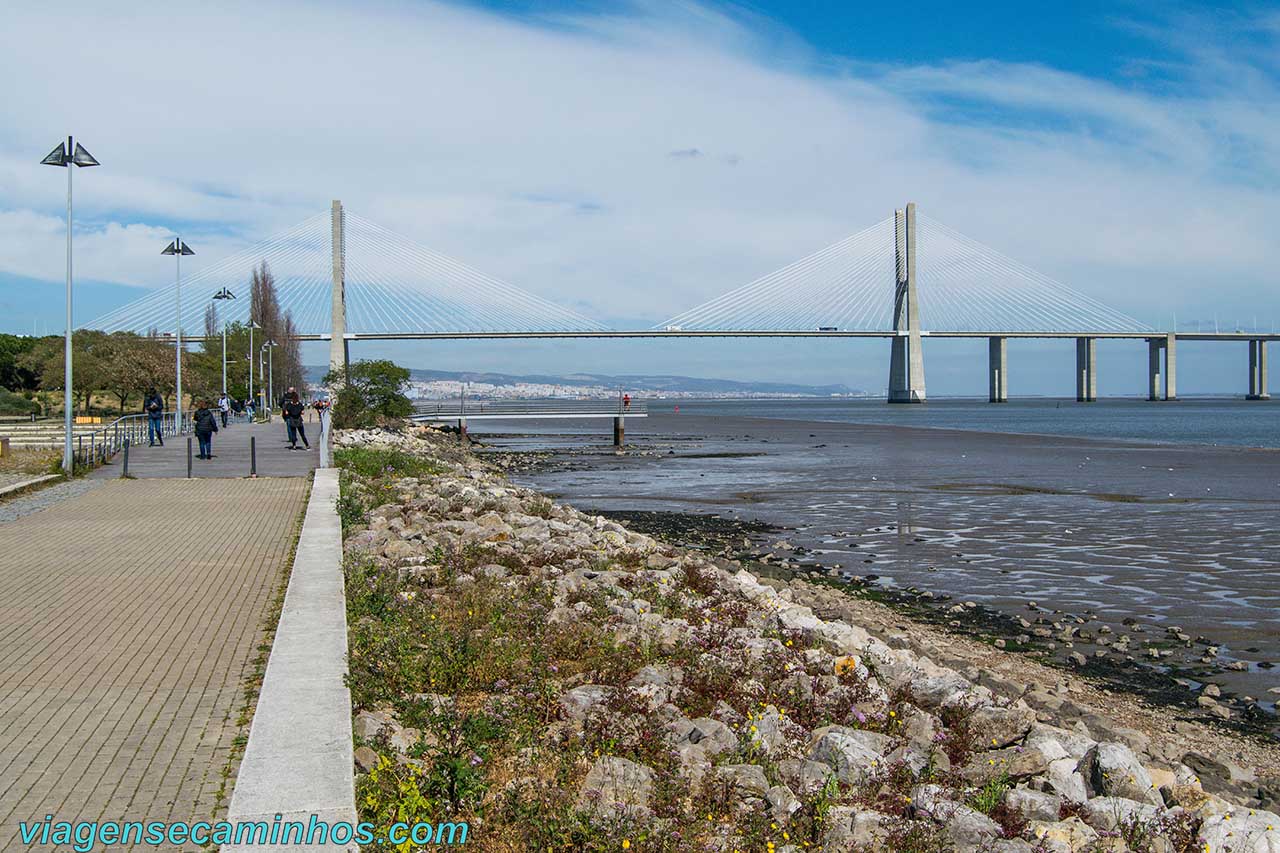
[[1124, 508]]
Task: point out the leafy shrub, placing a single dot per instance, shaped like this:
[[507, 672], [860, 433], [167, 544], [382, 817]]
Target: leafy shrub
[[370, 393], [16, 404]]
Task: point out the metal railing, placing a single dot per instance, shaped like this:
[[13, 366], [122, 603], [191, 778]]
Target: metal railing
[[470, 408], [97, 447]]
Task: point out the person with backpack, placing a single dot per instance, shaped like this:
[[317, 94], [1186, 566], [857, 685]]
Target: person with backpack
[[206, 424], [292, 410], [153, 405]]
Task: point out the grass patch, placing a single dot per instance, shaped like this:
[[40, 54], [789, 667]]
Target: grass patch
[[379, 462]]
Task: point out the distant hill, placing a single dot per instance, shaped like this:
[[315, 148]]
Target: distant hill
[[639, 382]]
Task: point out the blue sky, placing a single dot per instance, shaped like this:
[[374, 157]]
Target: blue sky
[[1129, 149]]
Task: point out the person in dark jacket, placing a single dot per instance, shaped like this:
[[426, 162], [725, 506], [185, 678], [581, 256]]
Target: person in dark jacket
[[290, 432], [293, 410], [206, 424], [153, 405]]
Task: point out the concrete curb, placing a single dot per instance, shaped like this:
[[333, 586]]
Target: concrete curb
[[299, 760], [26, 484]]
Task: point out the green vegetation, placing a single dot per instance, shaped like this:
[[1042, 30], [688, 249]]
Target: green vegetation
[[478, 669], [371, 393], [112, 372], [375, 463], [991, 795], [17, 404]]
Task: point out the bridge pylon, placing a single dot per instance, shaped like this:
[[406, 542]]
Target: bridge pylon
[[906, 362], [338, 352]]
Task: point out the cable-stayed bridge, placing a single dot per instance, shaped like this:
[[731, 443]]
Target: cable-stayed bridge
[[905, 278]]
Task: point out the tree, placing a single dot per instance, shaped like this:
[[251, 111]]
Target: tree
[[90, 357], [156, 365], [210, 322], [13, 375], [123, 370], [277, 326], [372, 392]]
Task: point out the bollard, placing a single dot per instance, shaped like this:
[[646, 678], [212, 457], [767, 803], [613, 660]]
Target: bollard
[[125, 473], [253, 456], [188, 457]]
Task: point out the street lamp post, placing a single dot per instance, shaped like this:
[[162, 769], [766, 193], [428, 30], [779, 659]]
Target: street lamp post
[[270, 347], [178, 248], [220, 295], [65, 155], [253, 395]]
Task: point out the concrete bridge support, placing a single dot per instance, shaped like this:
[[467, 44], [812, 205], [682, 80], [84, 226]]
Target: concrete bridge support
[[1086, 370], [1154, 348], [339, 355], [1167, 346], [619, 431], [997, 370], [1258, 371], [906, 362]]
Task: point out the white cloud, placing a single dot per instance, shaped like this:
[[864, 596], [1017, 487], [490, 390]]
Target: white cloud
[[557, 154]]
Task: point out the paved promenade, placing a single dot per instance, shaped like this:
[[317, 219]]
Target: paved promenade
[[230, 454], [129, 616]]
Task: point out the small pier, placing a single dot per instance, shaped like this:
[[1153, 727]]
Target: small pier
[[460, 412]]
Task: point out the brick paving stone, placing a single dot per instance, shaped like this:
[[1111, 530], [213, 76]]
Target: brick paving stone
[[129, 616]]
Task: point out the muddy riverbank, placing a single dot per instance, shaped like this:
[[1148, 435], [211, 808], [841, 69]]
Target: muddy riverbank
[[1146, 565]]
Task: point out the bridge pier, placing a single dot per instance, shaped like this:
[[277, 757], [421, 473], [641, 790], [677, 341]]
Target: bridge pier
[[1168, 346], [619, 431], [339, 354], [1086, 370], [906, 360], [1258, 371], [1154, 347], [997, 370]]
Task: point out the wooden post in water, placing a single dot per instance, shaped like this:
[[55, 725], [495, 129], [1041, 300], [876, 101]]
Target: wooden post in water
[[619, 431]]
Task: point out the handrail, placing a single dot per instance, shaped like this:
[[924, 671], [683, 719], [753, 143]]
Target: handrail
[[106, 442]]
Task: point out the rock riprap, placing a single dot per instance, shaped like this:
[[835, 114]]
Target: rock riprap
[[561, 682]]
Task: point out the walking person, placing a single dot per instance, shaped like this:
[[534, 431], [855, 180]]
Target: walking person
[[293, 409], [289, 428], [206, 424], [153, 405], [224, 407]]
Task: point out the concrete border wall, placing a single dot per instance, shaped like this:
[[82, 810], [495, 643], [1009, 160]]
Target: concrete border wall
[[27, 484], [299, 759]]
